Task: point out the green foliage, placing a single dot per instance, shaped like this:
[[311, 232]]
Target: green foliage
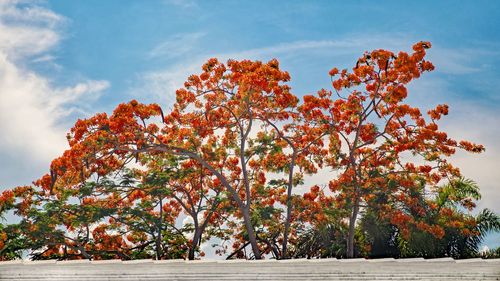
[[380, 235], [321, 241]]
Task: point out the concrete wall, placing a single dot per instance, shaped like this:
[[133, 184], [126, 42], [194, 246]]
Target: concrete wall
[[323, 269]]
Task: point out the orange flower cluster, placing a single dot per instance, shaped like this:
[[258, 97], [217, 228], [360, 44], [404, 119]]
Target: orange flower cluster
[[3, 239], [6, 198]]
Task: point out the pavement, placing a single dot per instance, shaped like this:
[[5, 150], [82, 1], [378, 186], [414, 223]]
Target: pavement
[[297, 269]]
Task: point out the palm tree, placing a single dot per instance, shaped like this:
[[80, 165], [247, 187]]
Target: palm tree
[[460, 241]]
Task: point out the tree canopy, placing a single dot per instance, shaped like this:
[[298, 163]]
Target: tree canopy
[[228, 165]]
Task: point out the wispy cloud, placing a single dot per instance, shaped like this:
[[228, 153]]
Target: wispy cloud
[[27, 30], [177, 45], [161, 85], [32, 108], [455, 62], [43, 59], [184, 4]]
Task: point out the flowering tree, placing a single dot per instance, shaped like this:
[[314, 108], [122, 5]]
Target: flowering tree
[[382, 145], [228, 156], [190, 187]]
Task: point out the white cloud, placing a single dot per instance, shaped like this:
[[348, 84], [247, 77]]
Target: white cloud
[[25, 12], [184, 4], [161, 85], [176, 45], [456, 62], [27, 30], [32, 108], [480, 125], [43, 58], [467, 120]]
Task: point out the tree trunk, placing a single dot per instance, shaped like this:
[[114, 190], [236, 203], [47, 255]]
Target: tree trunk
[[246, 207], [251, 234], [194, 244], [192, 249], [288, 207], [158, 236], [352, 228]]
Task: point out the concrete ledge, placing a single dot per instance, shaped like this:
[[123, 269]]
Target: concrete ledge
[[440, 260], [137, 261], [294, 261], [40, 262], [411, 260], [263, 261], [324, 260], [168, 261], [470, 260], [206, 261], [105, 261], [353, 260], [75, 262], [231, 261], [242, 270], [11, 262], [382, 260]]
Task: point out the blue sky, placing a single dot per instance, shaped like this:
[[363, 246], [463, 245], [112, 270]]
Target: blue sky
[[63, 60]]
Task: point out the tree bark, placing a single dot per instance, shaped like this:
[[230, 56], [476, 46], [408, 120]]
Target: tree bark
[[246, 208], [158, 236], [288, 207], [251, 234], [352, 228], [194, 244]]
